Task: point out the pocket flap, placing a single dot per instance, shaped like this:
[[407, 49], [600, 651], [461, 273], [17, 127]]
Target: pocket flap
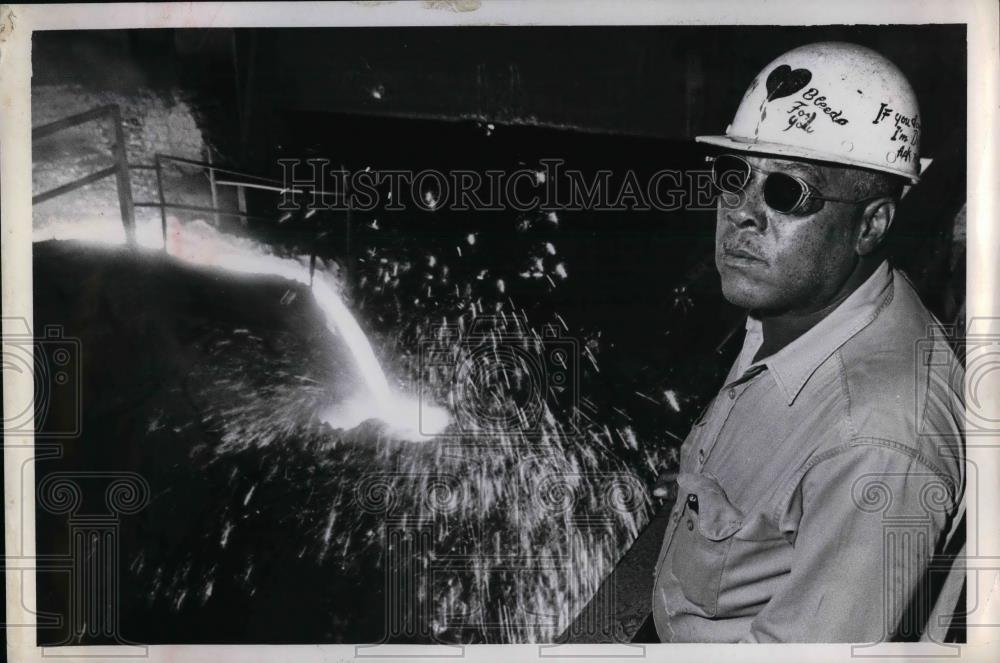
[[717, 518]]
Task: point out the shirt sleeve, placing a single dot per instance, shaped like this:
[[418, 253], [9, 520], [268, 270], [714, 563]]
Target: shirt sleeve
[[869, 518]]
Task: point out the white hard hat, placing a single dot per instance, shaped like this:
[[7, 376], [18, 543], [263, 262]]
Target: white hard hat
[[830, 101]]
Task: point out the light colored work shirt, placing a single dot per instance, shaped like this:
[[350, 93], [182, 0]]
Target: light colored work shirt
[[817, 485]]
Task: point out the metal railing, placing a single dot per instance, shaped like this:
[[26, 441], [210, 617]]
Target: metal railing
[[249, 181], [242, 182], [120, 169]]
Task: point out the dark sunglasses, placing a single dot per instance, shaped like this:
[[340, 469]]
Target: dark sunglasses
[[783, 193]]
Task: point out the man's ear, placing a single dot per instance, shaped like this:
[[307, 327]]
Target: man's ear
[[876, 219]]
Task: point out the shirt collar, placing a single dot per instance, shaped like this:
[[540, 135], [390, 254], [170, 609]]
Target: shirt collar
[[794, 364]]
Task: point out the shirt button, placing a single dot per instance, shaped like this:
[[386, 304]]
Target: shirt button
[[732, 393], [693, 501], [690, 524], [701, 455]]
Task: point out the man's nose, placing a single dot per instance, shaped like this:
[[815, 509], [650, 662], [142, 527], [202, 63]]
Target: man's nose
[[745, 210]]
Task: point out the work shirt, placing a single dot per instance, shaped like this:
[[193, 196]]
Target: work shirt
[[818, 483]]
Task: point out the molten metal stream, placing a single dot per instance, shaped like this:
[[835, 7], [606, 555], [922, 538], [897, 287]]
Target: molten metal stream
[[198, 243]]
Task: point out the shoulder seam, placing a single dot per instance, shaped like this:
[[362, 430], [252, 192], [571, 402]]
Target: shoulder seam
[[853, 443], [905, 449]]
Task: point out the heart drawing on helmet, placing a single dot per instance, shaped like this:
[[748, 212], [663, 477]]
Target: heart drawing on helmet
[[785, 81]]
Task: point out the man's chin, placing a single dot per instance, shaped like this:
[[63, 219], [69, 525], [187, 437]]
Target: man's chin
[[743, 293]]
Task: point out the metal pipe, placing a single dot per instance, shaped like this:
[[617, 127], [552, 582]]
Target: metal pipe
[[241, 203], [215, 189], [192, 162], [163, 204], [264, 187], [66, 188], [122, 177], [71, 121]]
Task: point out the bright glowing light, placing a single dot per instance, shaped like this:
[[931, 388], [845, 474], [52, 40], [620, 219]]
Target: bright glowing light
[[198, 243], [671, 397], [98, 230], [406, 417]]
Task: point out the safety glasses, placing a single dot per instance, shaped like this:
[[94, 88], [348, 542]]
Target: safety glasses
[[783, 193]]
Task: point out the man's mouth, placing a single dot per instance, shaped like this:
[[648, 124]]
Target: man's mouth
[[741, 254]]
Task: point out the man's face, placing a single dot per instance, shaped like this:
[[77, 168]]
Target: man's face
[[778, 263]]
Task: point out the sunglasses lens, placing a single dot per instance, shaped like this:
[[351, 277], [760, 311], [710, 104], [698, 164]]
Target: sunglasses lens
[[730, 174], [782, 192]]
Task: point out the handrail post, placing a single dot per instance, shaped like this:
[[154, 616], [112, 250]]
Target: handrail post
[[123, 177], [163, 204], [241, 205], [211, 182]]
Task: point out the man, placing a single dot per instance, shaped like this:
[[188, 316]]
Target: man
[[818, 484]]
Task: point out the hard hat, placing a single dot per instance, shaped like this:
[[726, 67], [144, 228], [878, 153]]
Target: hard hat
[[830, 101]]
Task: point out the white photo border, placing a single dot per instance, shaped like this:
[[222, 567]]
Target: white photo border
[[18, 22]]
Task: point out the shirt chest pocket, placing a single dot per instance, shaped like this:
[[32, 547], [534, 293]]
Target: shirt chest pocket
[[703, 539]]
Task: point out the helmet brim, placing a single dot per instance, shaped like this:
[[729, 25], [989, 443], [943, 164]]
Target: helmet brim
[[778, 149]]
